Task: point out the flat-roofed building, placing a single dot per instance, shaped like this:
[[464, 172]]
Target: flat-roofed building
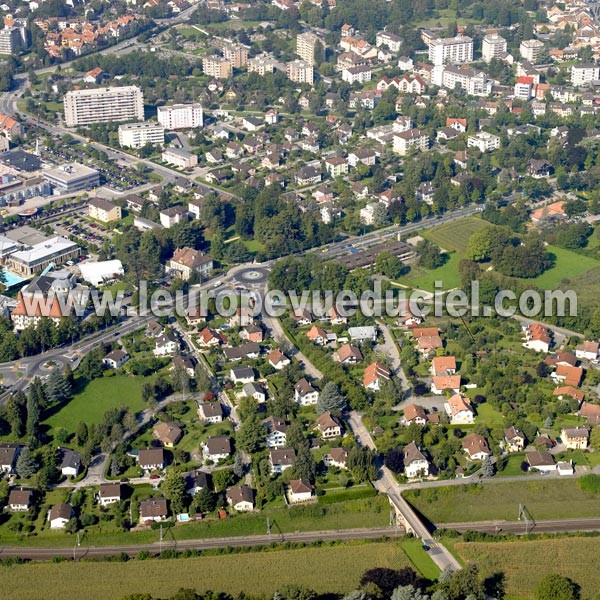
[[217, 66], [180, 158], [72, 178], [455, 50], [493, 46], [300, 71], [308, 47], [103, 105], [35, 259], [180, 116], [136, 135]]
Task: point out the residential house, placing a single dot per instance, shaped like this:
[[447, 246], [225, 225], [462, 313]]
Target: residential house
[[186, 364], [363, 334], [153, 509], [8, 457], [217, 448], [208, 338], [256, 391], [252, 333], [328, 426], [336, 457], [242, 375], [240, 498], [281, 459], [317, 335], [415, 462], [211, 412], [278, 360], [115, 359], [348, 355], [590, 412], [166, 344], [541, 460], [587, 351], [443, 365], [374, 374], [305, 394], [537, 337], [336, 166], [459, 410], [575, 438], [168, 434], [109, 493], [442, 383], [414, 413], [70, 462], [151, 459], [20, 500], [59, 515], [568, 375], [570, 392], [514, 440], [196, 482], [249, 350], [187, 262], [300, 490], [476, 446], [276, 429]]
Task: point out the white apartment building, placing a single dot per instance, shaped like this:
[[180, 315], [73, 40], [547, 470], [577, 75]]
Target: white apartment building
[[307, 46], [300, 72], [103, 105], [181, 116], [180, 158], [236, 54], [584, 73], [405, 141], [357, 74], [475, 83], [493, 46], [455, 50], [217, 66], [136, 135], [530, 50], [262, 64], [484, 141]]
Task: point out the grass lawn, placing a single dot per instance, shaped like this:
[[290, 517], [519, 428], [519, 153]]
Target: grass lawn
[[256, 573], [454, 236], [424, 279], [568, 264], [560, 499], [96, 398], [253, 246], [585, 284], [524, 563], [420, 559], [489, 416], [510, 465]]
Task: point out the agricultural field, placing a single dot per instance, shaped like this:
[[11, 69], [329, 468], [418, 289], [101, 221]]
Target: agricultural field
[[255, 573], [90, 403], [524, 563], [544, 499], [454, 236]]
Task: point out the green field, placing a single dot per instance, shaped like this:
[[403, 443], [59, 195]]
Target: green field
[[96, 398], [557, 499], [524, 563], [253, 573], [424, 279], [568, 264], [454, 236]]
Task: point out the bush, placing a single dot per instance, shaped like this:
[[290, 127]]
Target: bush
[[590, 483]]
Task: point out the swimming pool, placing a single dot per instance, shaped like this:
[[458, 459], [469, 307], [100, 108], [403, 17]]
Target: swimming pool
[[9, 279]]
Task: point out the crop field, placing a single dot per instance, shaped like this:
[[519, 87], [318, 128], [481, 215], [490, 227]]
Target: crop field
[[333, 569], [96, 398], [524, 563], [557, 499], [454, 236]]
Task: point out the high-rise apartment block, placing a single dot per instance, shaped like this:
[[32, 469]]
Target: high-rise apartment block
[[493, 46], [308, 47], [456, 50], [217, 66], [181, 116], [300, 72], [103, 105], [531, 50]]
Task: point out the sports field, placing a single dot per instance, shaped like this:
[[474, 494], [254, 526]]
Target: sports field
[[524, 563], [333, 569]]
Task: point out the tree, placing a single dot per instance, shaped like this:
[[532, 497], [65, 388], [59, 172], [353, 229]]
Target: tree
[[387, 580], [238, 466], [295, 592], [408, 592], [33, 415], [205, 500], [595, 438], [251, 435], [305, 466], [174, 490], [81, 434], [361, 462], [556, 587], [430, 255], [26, 465], [330, 399], [394, 461], [57, 388], [15, 416], [487, 467], [222, 479], [465, 583]]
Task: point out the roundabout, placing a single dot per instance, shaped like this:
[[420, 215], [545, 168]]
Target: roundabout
[[252, 276]]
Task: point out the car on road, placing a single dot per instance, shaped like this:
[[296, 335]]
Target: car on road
[[154, 477]]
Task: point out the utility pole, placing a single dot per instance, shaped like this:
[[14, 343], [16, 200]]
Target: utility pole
[[160, 541], [526, 516], [269, 529], [77, 544]]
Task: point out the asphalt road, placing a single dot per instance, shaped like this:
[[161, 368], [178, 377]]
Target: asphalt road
[[84, 551]]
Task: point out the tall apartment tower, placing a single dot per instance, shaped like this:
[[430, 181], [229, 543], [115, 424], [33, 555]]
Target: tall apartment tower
[[493, 46], [181, 116], [531, 49], [308, 47], [11, 40], [456, 50], [103, 105], [236, 54]]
